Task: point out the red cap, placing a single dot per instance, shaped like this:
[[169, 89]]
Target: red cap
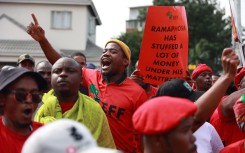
[[199, 69], [160, 114], [239, 77]]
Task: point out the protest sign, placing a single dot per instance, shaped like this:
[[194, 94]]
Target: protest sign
[[164, 49]]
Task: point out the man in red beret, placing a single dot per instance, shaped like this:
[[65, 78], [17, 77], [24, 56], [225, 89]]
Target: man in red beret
[[166, 134], [208, 101], [202, 76], [160, 124]]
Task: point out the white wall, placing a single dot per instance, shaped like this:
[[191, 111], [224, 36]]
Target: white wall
[[243, 13], [10, 31], [60, 39]]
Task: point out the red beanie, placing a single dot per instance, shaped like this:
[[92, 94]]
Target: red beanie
[[239, 77], [199, 69], [161, 114]]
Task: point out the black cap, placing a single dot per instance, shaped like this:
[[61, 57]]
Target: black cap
[[178, 88], [9, 74], [24, 57]]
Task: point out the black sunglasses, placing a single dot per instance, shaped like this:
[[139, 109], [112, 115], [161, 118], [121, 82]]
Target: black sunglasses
[[21, 95]]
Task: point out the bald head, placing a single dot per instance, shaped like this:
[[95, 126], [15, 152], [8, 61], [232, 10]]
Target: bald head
[[67, 61], [66, 78], [43, 64]]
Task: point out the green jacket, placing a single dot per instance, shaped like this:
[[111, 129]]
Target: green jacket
[[85, 110]]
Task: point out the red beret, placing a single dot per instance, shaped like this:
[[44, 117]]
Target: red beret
[[199, 69], [239, 77], [160, 114]]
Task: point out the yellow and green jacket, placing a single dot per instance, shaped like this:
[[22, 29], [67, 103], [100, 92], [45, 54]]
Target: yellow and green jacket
[[85, 110]]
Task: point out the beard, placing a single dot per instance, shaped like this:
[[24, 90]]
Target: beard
[[63, 93], [23, 125], [109, 74]]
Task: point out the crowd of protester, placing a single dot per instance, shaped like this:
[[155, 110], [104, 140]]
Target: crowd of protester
[[64, 105]]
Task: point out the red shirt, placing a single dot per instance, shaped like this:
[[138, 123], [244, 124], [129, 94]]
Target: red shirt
[[227, 128], [65, 106], [11, 142], [119, 100], [237, 147]]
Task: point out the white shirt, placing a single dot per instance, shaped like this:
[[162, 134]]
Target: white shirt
[[207, 139]]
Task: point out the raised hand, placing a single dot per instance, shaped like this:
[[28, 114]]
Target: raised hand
[[230, 61], [35, 30], [135, 76]]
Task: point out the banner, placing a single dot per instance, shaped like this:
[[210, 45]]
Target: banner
[[236, 30], [164, 48]]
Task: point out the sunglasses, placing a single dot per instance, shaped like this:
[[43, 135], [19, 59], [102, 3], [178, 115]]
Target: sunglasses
[[21, 95]]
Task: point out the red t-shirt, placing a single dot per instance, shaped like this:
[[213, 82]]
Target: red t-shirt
[[237, 147], [227, 128], [65, 106], [215, 121], [119, 100], [11, 142]]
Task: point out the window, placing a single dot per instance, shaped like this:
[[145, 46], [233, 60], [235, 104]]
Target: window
[[61, 19], [92, 25]]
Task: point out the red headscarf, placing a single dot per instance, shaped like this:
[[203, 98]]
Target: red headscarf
[[239, 77]]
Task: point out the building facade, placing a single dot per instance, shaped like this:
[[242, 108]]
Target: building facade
[[70, 26], [134, 23]]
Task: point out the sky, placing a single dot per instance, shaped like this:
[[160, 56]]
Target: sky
[[114, 13]]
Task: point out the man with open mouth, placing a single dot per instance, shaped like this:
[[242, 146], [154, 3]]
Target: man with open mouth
[[118, 95], [21, 90]]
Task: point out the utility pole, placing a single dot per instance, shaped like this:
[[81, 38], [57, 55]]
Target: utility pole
[[238, 45]]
